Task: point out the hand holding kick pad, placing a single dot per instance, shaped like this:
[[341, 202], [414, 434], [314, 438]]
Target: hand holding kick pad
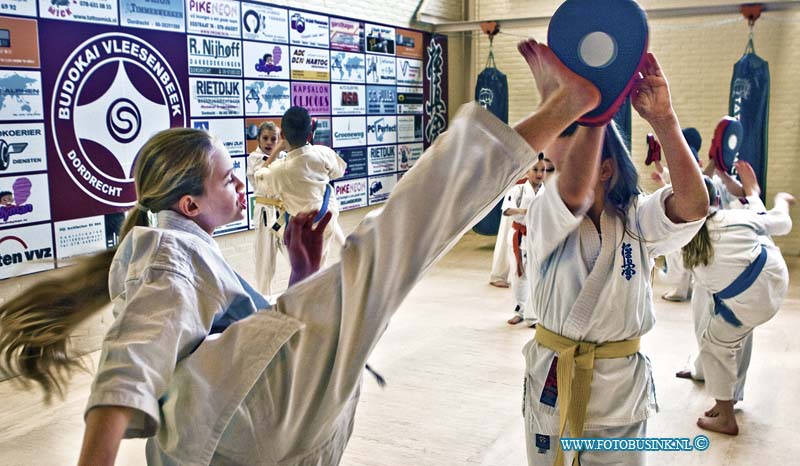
[[604, 42], [726, 143], [653, 150]]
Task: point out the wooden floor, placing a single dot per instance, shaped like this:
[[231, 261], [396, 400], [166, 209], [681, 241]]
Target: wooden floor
[[455, 369]]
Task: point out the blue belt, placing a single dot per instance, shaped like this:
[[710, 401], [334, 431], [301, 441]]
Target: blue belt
[[742, 282], [325, 200]]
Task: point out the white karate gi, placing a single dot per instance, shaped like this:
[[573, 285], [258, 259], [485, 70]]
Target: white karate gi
[[500, 266], [300, 181], [520, 196], [737, 236], [267, 243], [595, 291], [280, 386]]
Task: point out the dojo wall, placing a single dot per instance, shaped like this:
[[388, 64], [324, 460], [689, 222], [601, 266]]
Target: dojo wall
[[697, 53]]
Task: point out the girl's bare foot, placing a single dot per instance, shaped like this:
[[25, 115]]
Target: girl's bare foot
[[555, 80], [720, 418]]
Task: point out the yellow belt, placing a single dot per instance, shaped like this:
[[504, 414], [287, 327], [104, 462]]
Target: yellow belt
[[269, 201], [576, 363]]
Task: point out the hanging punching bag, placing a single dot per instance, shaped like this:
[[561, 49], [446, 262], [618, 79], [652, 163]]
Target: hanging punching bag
[[749, 103], [491, 91]]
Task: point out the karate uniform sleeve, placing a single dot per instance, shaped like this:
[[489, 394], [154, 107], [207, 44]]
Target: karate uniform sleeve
[[266, 180], [549, 223], [773, 222], [255, 161], [335, 165], [150, 334], [347, 306], [510, 199], [659, 233]]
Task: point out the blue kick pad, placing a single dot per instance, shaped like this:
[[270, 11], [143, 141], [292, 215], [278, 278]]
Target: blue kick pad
[[604, 42], [726, 143]]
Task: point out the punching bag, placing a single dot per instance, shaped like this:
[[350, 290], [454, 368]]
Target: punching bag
[[749, 103], [491, 91]]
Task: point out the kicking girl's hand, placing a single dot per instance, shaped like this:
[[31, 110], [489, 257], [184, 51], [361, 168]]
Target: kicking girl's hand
[[304, 243]]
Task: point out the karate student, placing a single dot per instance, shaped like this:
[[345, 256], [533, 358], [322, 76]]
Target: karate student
[[592, 240], [500, 266], [734, 258], [267, 209], [270, 386], [515, 205], [302, 179]]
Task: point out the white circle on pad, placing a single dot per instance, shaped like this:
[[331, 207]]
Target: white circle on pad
[[732, 141], [597, 49]]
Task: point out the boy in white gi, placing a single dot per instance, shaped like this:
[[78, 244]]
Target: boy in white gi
[[515, 206], [267, 209], [734, 258], [591, 249], [500, 266], [302, 180], [270, 386]]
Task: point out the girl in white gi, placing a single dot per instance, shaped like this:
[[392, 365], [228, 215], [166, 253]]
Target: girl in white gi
[[279, 386], [515, 206], [267, 210], [591, 249], [733, 257], [302, 180]]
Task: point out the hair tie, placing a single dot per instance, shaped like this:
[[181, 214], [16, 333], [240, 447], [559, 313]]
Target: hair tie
[[139, 206]]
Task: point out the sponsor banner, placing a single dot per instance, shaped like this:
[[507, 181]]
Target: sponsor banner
[[409, 128], [265, 23], [266, 97], [408, 154], [409, 43], [26, 250], [107, 93], [382, 100], [348, 67], [18, 7], [251, 126], [228, 131], [351, 194], [87, 235], [348, 99], [214, 56], [409, 72], [24, 199], [322, 132], [86, 11], [240, 170], [310, 64], [381, 130], [308, 29], [315, 97], [357, 161], [349, 131], [381, 70], [380, 187], [382, 159], [380, 39], [213, 18], [211, 97], [21, 95], [19, 41], [347, 35], [409, 100], [435, 87], [22, 148], [162, 15], [266, 61]]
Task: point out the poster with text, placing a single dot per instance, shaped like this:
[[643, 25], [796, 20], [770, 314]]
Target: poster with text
[[435, 87], [382, 159], [409, 43], [26, 250], [322, 134], [19, 42], [409, 100], [308, 29], [409, 128], [267, 97], [310, 64], [348, 67], [380, 187], [227, 130], [22, 148], [94, 11], [161, 15], [347, 35], [214, 56], [409, 72], [380, 39], [381, 129], [381, 70], [348, 99], [265, 23], [18, 7], [21, 95], [357, 161], [214, 18], [82, 236], [381, 100], [349, 131], [265, 60], [211, 97], [25, 199], [314, 97], [408, 154], [351, 194]]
